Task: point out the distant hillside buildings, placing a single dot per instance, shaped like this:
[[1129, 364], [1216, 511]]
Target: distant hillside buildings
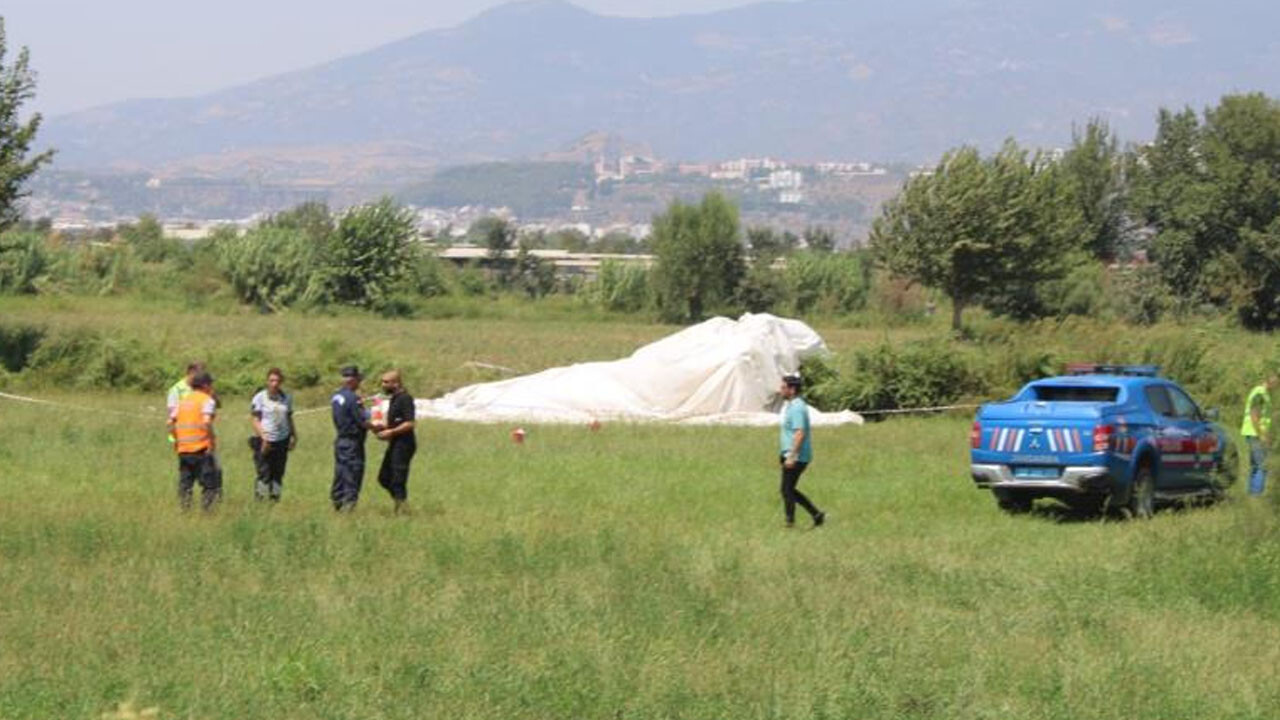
[[89, 204], [786, 178]]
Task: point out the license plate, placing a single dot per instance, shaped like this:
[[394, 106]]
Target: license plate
[[1036, 473]]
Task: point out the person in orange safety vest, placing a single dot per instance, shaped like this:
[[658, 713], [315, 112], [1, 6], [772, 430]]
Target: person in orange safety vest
[[191, 428]]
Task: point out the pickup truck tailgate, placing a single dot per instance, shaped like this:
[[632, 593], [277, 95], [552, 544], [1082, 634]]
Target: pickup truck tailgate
[[1044, 430], [1014, 440]]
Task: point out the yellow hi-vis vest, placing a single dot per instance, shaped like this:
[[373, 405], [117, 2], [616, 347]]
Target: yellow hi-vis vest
[[1259, 395], [179, 390], [190, 431]]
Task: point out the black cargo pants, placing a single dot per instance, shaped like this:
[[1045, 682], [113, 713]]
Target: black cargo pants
[[199, 468], [270, 458]]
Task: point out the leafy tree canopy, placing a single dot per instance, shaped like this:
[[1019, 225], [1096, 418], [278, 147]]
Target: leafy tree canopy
[[17, 86]]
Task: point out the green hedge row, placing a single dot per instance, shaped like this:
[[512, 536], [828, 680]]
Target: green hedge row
[[1216, 363]]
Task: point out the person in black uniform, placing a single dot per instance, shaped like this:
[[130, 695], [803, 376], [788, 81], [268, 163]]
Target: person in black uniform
[[400, 439], [350, 424]]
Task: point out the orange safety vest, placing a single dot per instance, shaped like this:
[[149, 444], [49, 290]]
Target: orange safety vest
[[190, 431]]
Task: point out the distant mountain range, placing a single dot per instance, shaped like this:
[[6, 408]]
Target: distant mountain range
[[820, 79]]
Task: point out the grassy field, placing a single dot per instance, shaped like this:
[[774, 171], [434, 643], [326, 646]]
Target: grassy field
[[634, 572]]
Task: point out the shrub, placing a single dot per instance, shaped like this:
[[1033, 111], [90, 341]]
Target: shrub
[[87, 359], [620, 287], [1083, 291], [823, 385], [921, 374], [429, 276], [899, 299], [23, 261], [836, 283], [396, 305], [1141, 295], [94, 269], [148, 241], [472, 281], [763, 289], [273, 267]]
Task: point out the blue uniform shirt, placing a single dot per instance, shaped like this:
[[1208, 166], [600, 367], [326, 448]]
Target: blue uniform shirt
[[795, 416], [348, 413]]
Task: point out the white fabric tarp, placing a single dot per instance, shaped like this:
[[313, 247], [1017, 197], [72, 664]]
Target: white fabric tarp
[[720, 372]]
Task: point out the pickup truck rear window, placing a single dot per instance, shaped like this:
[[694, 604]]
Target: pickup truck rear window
[[1070, 393]]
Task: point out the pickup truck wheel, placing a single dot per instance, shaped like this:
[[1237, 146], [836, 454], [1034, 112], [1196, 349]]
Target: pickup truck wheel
[[1013, 504], [1142, 496]]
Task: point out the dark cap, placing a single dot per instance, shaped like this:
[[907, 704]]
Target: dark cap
[[793, 380], [350, 371]]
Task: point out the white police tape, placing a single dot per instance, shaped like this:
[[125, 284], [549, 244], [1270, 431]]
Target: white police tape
[[905, 411], [70, 406], [309, 411], [153, 416]]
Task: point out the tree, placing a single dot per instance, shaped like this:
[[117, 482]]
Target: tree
[[819, 239], [1259, 304], [1094, 173], [617, 242], [1201, 186], [533, 240], [570, 239], [767, 245], [981, 231], [535, 276], [313, 219], [1039, 227], [371, 253], [148, 240], [17, 85], [699, 257], [494, 234], [498, 237], [763, 288]]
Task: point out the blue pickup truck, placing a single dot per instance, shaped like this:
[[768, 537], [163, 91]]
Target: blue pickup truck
[[1101, 436]]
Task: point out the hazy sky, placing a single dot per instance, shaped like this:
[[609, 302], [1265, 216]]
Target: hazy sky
[[91, 52]]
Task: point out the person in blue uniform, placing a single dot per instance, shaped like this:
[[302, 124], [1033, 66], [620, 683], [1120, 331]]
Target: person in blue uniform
[[796, 448], [350, 424]]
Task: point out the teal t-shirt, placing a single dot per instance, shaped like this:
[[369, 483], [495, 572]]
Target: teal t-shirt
[[795, 416]]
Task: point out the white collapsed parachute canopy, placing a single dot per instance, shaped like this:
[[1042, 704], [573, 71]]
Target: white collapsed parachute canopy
[[719, 372]]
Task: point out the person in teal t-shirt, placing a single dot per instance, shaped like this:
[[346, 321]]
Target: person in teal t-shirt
[[796, 450]]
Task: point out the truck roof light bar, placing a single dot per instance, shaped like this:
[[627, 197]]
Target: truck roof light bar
[[1107, 369]]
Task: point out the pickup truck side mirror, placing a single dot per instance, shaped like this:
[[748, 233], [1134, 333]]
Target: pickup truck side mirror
[[1212, 415]]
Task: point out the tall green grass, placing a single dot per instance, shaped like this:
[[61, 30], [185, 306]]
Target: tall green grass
[[634, 572], [128, 344]]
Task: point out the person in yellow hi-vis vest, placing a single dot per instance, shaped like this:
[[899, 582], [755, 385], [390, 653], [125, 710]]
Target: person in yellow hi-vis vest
[[191, 427], [1256, 430], [181, 389]]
